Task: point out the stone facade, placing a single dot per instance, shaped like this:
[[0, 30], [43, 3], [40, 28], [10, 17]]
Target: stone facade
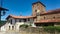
[[37, 8], [51, 16]]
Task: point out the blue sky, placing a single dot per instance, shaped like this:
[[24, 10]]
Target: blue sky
[[24, 7]]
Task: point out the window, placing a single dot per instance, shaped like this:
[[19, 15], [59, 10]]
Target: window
[[9, 27], [54, 17], [11, 21], [28, 19], [35, 10], [12, 27], [44, 17], [24, 20], [19, 20]]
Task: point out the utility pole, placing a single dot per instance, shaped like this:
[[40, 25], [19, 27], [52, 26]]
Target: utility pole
[[2, 10]]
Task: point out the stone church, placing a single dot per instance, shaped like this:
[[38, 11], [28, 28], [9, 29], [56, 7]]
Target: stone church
[[40, 17]]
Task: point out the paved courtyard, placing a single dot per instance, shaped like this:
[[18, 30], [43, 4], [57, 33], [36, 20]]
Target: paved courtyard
[[10, 32]]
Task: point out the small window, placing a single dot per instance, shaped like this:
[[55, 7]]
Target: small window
[[35, 10], [54, 17], [44, 17]]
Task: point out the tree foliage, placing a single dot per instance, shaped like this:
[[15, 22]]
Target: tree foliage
[[2, 23]]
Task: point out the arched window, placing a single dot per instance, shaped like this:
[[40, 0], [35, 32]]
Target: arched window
[[9, 27], [12, 27]]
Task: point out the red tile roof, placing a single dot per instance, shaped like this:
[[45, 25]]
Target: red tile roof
[[19, 16], [47, 21], [51, 12]]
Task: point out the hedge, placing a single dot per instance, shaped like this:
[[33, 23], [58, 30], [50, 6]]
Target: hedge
[[24, 25], [52, 28]]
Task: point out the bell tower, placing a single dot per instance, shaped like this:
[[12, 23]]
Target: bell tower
[[38, 7]]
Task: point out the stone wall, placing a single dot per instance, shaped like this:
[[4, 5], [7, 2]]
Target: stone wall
[[38, 7], [51, 16], [33, 30], [30, 30]]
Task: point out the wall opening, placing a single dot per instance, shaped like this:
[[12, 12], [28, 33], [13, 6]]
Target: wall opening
[[9, 27], [12, 27]]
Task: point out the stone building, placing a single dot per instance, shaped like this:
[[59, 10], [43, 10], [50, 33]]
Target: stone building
[[43, 17], [40, 17]]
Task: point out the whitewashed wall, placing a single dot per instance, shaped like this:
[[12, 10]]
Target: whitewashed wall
[[16, 25], [13, 20], [5, 27]]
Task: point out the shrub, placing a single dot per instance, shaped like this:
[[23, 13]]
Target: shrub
[[52, 28], [24, 25], [49, 28], [58, 28]]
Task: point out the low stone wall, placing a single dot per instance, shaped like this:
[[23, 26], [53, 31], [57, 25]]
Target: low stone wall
[[33, 30], [29, 30]]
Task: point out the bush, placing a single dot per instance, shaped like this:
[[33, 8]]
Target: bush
[[52, 28], [58, 28], [49, 28], [24, 25]]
